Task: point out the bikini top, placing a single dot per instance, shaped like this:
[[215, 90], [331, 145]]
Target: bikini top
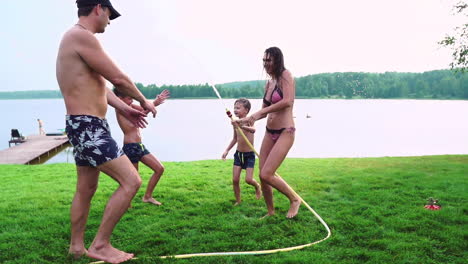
[[276, 96]]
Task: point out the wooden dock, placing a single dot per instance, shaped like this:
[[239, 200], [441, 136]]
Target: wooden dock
[[35, 148]]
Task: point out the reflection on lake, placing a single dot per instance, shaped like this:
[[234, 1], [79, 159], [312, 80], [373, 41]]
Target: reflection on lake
[[187, 130]]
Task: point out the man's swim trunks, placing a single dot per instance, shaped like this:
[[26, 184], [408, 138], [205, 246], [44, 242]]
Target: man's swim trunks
[[244, 159], [135, 151], [91, 140]]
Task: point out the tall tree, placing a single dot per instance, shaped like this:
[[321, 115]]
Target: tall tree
[[458, 41]]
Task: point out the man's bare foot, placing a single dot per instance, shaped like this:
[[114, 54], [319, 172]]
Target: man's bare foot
[[237, 203], [293, 208], [258, 193], [77, 253], [267, 215], [109, 254], [151, 200]]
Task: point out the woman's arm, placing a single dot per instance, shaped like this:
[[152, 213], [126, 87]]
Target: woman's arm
[[248, 129], [248, 119], [289, 90]]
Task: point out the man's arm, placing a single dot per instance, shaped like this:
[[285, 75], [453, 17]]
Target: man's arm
[[92, 53], [137, 107], [158, 101], [136, 117]]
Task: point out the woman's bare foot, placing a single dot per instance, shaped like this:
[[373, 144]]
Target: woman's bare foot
[[293, 208], [109, 254], [237, 203], [151, 200]]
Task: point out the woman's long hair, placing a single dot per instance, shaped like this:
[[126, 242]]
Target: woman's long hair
[[278, 62]]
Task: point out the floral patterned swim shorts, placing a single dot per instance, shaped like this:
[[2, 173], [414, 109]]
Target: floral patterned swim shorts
[[91, 140], [135, 151]]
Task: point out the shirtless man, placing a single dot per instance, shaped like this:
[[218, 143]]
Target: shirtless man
[[82, 70], [134, 148]]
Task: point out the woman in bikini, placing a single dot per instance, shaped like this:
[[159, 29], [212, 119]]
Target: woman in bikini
[[277, 106]]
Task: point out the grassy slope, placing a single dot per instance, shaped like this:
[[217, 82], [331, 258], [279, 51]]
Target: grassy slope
[[374, 207]]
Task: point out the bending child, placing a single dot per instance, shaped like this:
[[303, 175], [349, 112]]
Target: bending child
[[244, 158], [134, 148]]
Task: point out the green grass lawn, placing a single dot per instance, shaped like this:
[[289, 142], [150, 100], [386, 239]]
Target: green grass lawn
[[374, 207]]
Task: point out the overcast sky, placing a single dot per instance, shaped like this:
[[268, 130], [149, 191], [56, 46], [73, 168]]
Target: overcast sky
[[198, 41]]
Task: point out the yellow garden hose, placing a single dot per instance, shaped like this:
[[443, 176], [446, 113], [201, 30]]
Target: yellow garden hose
[[267, 251], [258, 252]]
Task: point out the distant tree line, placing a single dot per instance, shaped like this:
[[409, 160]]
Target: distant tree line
[[441, 84], [34, 94]]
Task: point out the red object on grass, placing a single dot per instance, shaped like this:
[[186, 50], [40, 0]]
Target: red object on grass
[[432, 204], [432, 207]]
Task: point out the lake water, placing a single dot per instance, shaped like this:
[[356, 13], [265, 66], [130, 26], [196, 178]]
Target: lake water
[[186, 130]]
